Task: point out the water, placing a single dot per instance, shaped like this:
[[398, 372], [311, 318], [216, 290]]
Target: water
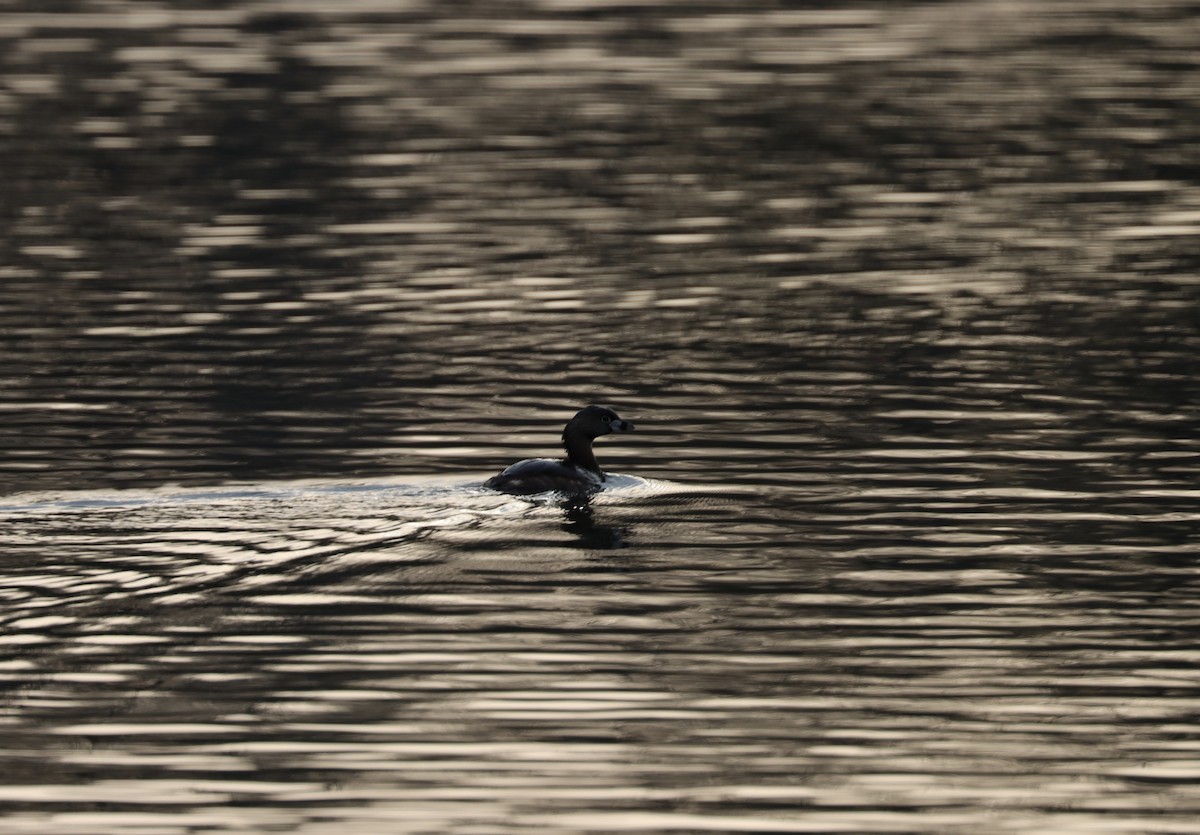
[[901, 298]]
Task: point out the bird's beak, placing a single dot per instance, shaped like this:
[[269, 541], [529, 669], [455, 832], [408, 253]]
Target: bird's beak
[[619, 425]]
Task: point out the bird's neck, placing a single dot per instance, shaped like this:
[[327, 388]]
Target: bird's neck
[[579, 453]]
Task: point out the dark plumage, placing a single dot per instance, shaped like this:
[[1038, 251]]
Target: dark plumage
[[576, 474]]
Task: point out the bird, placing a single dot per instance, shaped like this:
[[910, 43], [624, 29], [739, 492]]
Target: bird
[[578, 473]]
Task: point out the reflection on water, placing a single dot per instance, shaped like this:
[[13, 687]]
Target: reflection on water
[[407, 655], [903, 297]]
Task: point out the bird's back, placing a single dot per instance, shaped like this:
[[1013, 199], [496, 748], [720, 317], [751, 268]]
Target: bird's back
[[541, 475]]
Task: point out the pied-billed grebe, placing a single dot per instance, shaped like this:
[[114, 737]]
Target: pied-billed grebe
[[576, 474]]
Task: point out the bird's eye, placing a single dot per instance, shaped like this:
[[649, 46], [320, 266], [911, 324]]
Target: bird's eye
[[606, 418]]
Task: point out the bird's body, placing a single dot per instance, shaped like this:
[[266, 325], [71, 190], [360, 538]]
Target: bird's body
[[578, 473], [541, 475]]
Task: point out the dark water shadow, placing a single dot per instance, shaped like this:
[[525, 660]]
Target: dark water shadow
[[579, 518]]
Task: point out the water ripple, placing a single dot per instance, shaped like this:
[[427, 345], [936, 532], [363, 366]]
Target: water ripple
[[901, 299]]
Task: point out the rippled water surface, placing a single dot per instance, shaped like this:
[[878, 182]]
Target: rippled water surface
[[902, 299]]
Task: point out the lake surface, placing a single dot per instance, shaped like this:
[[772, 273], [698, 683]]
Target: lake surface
[[903, 299]]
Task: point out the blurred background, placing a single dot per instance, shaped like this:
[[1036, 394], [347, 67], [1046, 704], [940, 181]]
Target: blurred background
[[902, 297], [255, 240]]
